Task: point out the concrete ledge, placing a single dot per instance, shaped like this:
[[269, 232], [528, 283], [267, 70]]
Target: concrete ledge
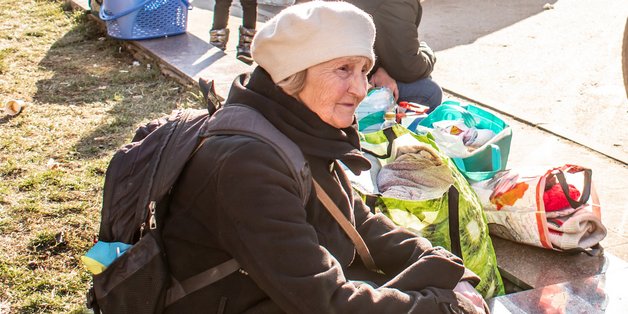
[[604, 293], [530, 267]]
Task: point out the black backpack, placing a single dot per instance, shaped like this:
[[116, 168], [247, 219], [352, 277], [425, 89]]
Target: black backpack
[[136, 194]]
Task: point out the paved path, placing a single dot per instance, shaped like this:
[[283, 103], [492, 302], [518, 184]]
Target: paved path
[[559, 69]]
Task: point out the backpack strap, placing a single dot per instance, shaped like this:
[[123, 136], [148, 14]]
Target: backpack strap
[[239, 119], [178, 290]]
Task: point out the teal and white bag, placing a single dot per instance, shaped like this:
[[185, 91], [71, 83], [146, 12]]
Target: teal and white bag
[[492, 137]]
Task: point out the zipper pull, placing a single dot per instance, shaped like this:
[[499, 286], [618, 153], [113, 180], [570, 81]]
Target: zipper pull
[[142, 230], [152, 221]]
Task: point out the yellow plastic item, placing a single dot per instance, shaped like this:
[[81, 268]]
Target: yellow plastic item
[[93, 265], [389, 115]]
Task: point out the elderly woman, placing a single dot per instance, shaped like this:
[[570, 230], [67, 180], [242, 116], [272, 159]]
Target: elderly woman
[[238, 199]]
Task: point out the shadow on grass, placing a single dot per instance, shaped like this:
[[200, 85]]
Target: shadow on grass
[[6, 119], [108, 91]]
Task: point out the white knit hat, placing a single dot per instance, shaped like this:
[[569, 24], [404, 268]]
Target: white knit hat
[[310, 33]]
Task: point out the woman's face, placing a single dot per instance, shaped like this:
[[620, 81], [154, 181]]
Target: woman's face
[[334, 89]]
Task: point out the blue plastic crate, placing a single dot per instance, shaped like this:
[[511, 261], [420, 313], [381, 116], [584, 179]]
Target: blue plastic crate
[[144, 19]]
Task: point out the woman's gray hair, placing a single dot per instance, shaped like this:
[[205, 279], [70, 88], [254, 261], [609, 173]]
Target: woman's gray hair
[[293, 84]]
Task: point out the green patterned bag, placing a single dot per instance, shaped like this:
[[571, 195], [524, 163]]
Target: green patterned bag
[[456, 207]]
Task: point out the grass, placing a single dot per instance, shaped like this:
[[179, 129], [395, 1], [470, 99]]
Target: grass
[[84, 99]]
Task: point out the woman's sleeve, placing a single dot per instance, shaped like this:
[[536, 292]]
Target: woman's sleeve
[[411, 259], [262, 223]]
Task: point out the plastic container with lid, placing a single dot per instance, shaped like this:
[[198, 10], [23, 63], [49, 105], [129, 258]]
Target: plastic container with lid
[[389, 120]]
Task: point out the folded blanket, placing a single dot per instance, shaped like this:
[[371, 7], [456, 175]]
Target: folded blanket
[[417, 173], [581, 229]]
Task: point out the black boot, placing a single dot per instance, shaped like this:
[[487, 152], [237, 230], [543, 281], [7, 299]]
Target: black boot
[[244, 46], [219, 37]]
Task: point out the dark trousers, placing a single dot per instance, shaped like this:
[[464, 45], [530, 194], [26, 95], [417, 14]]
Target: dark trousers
[[221, 13]]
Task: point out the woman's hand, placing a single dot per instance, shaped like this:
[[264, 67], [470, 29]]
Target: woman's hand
[[381, 78], [467, 290]]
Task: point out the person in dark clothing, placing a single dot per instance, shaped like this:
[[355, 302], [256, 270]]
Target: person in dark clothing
[[219, 34], [404, 62], [237, 198]]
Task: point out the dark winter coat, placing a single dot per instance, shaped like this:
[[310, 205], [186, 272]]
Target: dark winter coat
[[236, 198], [397, 44]]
